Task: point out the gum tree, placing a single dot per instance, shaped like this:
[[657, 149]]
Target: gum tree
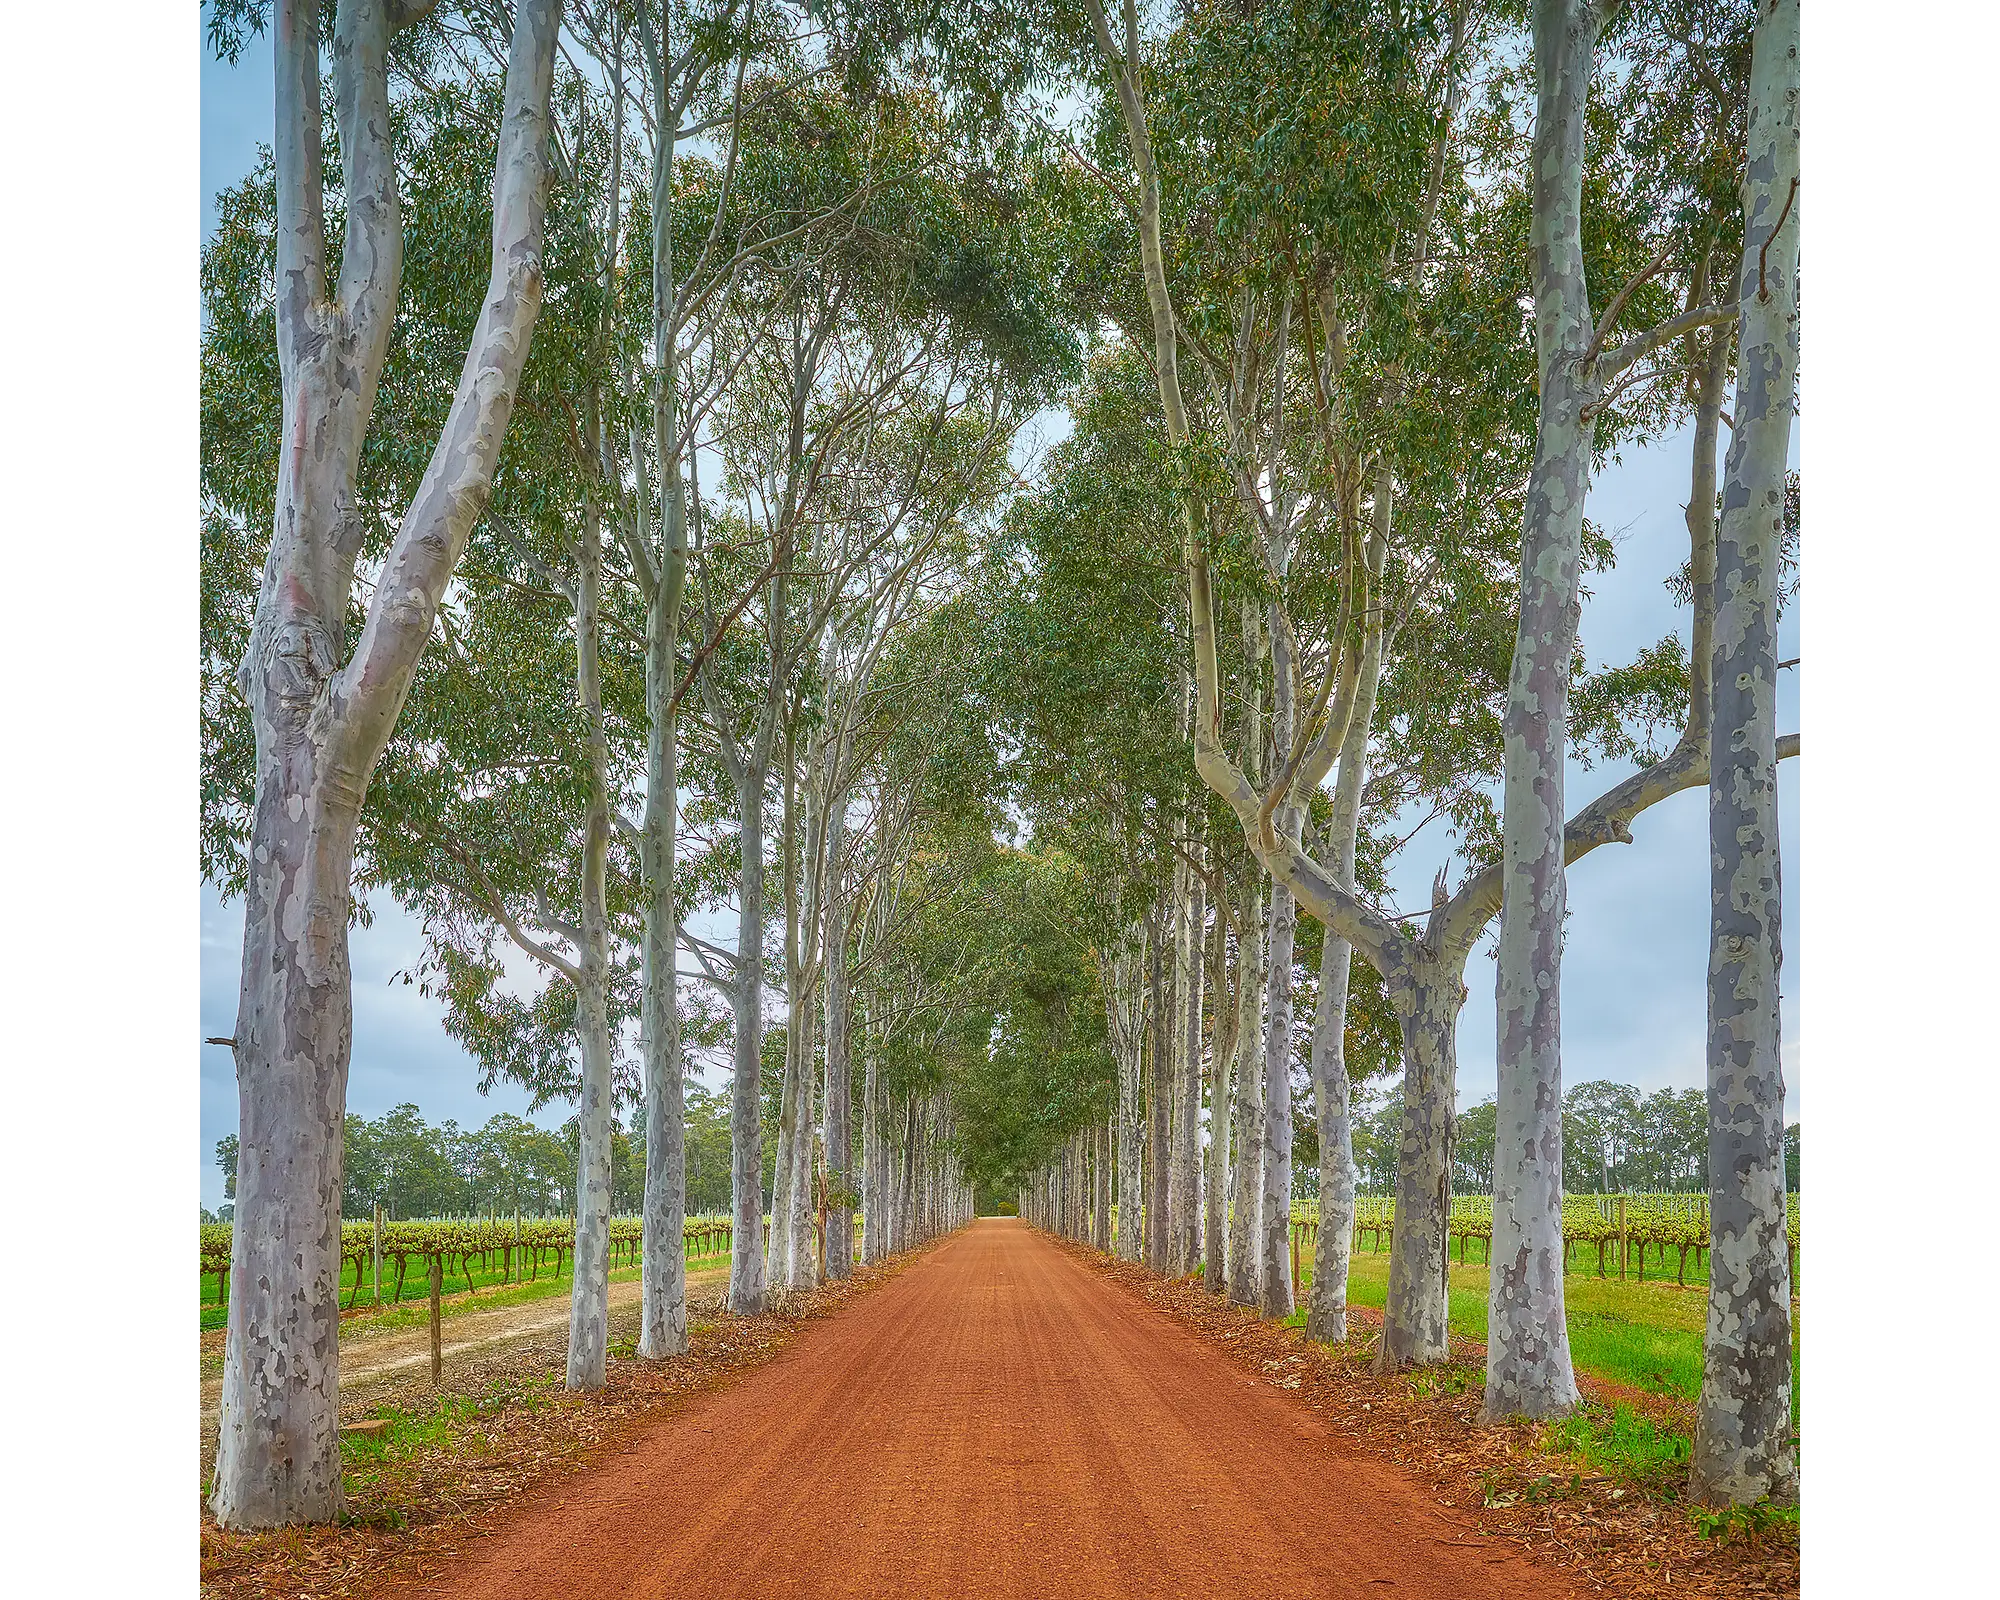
[[1744, 1446], [322, 712], [1423, 974]]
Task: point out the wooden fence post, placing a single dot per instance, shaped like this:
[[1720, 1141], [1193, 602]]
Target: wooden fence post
[[437, 1320], [1624, 1245], [378, 1256]]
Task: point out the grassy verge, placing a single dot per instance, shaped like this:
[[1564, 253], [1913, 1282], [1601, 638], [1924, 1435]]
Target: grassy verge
[[1646, 1336]]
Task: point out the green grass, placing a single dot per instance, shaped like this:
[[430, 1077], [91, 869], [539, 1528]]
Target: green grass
[[446, 1421], [1625, 1444], [492, 1293], [1647, 1336]]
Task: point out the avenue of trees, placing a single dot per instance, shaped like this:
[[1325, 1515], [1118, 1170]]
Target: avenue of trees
[[627, 543]]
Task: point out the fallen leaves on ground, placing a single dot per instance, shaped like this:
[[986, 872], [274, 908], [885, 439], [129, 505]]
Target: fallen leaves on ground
[[1611, 1536]]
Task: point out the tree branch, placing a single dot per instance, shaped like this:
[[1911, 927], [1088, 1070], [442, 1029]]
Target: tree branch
[[1606, 820], [1613, 362], [369, 691]]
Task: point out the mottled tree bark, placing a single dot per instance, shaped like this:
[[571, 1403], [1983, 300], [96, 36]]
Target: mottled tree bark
[[746, 1123], [873, 1187], [1527, 1363], [663, 1260], [1415, 1329], [1246, 1133], [1184, 1200], [1101, 1218], [1326, 1310], [322, 718], [1129, 1000], [590, 1284], [1162, 1014], [1744, 1444], [839, 1064], [1215, 1176], [1275, 1200]]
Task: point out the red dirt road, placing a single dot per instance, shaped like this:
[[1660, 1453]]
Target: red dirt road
[[996, 1421]]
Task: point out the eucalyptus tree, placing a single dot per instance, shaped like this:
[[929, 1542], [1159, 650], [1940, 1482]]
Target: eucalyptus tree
[[322, 713], [502, 785], [684, 69], [1423, 974], [907, 517], [1744, 1446], [783, 324], [849, 430], [1233, 370]]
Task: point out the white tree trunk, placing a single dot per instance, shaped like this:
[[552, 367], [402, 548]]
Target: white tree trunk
[[1246, 1139], [1131, 1132], [1101, 1218], [1275, 1201], [1326, 1310], [1215, 1176], [663, 1258], [1163, 1015], [1415, 1316], [1744, 1445], [746, 1125], [1184, 1203], [1527, 1363], [590, 1287], [321, 725], [873, 1174], [839, 1063]]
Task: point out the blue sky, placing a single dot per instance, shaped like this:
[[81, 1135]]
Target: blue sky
[[1633, 999]]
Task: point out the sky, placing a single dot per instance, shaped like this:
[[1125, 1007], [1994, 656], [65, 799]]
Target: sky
[[1633, 990]]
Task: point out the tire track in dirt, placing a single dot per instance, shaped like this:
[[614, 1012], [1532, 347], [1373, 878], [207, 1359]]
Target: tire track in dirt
[[997, 1421], [367, 1357]]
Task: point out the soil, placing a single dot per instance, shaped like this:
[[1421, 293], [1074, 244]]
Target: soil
[[998, 1420], [1614, 1535], [997, 1414]]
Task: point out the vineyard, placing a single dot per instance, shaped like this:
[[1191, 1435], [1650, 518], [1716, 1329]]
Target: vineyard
[[1625, 1230], [471, 1254]]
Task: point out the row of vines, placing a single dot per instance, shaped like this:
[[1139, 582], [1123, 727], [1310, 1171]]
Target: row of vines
[[523, 1247], [1643, 1222]]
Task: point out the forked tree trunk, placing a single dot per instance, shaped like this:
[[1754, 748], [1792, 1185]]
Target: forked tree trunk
[[1527, 1361], [322, 718], [1744, 1444]]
